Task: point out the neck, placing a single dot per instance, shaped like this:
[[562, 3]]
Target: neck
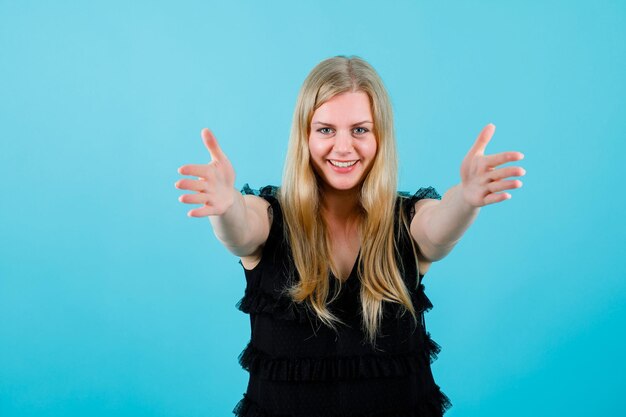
[[340, 206]]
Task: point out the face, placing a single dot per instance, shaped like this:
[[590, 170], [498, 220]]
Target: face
[[342, 144]]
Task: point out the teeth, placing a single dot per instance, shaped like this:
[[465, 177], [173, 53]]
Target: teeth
[[342, 164]]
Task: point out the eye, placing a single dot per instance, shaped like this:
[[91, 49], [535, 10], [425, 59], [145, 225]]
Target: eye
[[325, 130], [360, 130]]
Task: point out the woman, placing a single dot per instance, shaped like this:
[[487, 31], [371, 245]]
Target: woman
[[334, 258]]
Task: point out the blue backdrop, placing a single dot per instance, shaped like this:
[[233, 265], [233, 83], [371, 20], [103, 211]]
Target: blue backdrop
[[114, 302]]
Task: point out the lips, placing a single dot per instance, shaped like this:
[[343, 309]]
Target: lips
[[343, 170], [342, 164]]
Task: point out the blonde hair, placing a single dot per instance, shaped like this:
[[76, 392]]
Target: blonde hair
[[306, 230]]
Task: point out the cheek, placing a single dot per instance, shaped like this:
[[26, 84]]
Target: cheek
[[374, 149], [317, 148], [369, 148]]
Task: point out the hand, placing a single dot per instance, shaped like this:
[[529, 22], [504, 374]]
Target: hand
[[480, 181], [215, 186]]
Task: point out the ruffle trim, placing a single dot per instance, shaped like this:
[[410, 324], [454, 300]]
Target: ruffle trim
[[421, 302], [424, 192], [257, 301], [268, 190], [432, 348], [411, 199], [436, 406], [337, 367]]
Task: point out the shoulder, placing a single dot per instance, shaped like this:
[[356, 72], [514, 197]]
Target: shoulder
[[408, 204], [412, 203], [264, 203], [266, 197]]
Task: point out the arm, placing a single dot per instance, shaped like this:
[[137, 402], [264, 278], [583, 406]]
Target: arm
[[244, 228], [439, 225]]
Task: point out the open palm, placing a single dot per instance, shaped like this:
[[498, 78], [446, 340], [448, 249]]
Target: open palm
[[214, 188], [481, 182]]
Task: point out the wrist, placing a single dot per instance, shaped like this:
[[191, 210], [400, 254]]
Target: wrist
[[461, 202]]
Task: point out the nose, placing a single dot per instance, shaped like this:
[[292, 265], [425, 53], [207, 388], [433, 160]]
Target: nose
[[343, 142]]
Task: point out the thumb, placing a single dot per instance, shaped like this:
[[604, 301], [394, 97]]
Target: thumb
[[211, 144], [483, 139]]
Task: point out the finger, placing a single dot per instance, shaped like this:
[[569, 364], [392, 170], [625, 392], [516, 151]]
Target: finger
[[192, 185], [497, 186], [483, 139], [198, 198], [211, 144], [506, 172], [502, 158], [496, 198], [201, 211], [197, 170]]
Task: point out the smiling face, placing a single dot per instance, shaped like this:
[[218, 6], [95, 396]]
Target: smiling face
[[342, 143]]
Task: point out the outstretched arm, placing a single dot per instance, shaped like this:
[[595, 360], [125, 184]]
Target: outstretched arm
[[439, 225]]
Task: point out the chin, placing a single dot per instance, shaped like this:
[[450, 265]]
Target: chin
[[342, 186], [328, 180]]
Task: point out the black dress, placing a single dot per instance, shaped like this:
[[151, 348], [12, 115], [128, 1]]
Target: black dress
[[301, 368]]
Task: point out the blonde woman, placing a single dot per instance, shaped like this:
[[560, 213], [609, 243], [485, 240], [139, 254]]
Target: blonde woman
[[334, 258]]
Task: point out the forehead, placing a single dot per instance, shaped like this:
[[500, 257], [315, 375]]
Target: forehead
[[345, 108]]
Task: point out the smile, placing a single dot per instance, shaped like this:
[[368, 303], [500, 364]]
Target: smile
[[342, 164]]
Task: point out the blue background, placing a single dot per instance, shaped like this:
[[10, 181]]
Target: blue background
[[114, 302]]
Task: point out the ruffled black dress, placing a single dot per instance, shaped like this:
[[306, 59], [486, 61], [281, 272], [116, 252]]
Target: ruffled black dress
[[301, 368]]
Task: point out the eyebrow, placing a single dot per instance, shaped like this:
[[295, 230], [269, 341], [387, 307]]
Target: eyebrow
[[330, 124]]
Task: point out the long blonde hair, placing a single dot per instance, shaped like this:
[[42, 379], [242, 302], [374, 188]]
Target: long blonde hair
[[306, 230]]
